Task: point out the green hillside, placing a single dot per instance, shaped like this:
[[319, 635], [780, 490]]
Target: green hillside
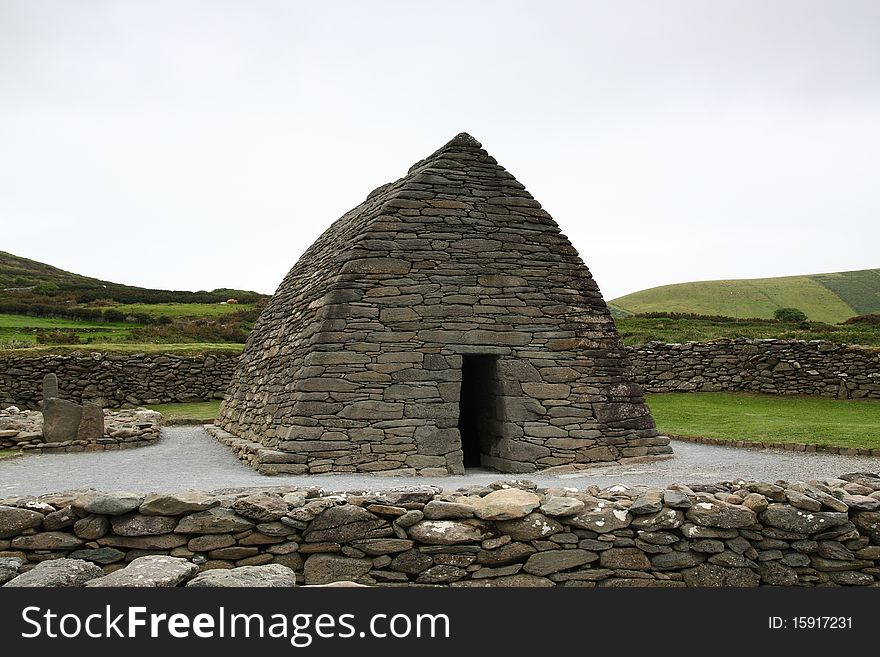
[[44, 307], [28, 281], [830, 298]]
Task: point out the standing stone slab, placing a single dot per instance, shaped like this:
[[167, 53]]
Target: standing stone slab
[[91, 426], [61, 420]]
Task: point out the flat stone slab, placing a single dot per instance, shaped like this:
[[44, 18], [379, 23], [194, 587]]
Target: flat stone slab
[[9, 567], [152, 571], [58, 572], [13, 520], [271, 575]]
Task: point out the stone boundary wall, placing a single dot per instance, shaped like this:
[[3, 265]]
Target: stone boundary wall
[[114, 380], [786, 367], [819, 533], [788, 447], [779, 367]]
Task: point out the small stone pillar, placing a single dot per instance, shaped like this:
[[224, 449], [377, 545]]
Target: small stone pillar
[[50, 387]]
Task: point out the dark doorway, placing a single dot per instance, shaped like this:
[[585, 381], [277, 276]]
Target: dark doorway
[[477, 406]]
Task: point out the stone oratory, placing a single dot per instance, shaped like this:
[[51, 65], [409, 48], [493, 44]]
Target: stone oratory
[[443, 323]]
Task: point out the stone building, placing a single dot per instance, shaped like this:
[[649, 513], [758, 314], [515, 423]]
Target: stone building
[[445, 322]]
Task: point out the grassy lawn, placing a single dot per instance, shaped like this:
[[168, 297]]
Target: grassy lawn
[[21, 331], [768, 418], [205, 411], [23, 328], [6, 453], [639, 330], [180, 309], [25, 321], [180, 348]]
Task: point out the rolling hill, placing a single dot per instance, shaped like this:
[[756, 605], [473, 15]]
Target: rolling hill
[[43, 305], [831, 297], [29, 281]]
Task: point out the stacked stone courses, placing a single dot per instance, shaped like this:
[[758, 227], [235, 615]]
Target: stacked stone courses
[[783, 367], [111, 380], [777, 367], [356, 363], [736, 533]]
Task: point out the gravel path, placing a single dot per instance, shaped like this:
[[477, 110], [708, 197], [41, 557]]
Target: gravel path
[[187, 457]]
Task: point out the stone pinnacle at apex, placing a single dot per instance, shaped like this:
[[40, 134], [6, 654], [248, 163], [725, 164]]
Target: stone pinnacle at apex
[[465, 140], [444, 322]]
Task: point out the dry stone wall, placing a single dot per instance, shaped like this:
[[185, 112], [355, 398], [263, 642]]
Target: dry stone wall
[[772, 366], [779, 367], [113, 380], [817, 533]]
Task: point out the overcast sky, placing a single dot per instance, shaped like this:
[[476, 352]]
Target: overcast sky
[[204, 144]]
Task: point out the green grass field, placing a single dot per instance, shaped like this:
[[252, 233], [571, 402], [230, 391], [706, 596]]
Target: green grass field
[[180, 309], [18, 331], [829, 298], [733, 416], [639, 330], [128, 348], [859, 289], [203, 411], [33, 295], [23, 328], [768, 418], [6, 453]]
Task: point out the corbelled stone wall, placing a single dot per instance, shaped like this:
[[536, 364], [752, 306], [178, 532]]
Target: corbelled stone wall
[[111, 380], [779, 367], [357, 361], [817, 533]]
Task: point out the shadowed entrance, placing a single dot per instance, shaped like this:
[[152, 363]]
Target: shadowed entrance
[[479, 407]]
